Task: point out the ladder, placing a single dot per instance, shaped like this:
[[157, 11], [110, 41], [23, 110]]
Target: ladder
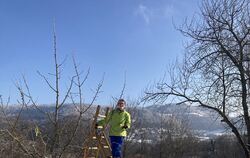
[[97, 144]]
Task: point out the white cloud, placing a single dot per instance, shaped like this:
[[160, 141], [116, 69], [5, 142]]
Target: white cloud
[[149, 14], [144, 12]]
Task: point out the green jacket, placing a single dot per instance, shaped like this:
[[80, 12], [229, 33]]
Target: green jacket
[[117, 119]]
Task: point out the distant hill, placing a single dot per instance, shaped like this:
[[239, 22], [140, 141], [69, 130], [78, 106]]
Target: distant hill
[[200, 120]]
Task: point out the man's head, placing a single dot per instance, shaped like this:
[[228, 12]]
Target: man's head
[[121, 104]]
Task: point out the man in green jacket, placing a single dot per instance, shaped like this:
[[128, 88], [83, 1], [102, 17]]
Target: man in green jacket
[[119, 121]]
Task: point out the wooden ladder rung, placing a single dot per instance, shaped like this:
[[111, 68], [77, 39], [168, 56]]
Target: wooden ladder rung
[[96, 138], [102, 116]]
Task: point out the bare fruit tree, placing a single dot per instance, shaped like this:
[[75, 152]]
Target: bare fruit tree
[[215, 70], [57, 135]]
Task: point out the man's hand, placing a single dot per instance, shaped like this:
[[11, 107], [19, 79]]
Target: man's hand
[[124, 127]]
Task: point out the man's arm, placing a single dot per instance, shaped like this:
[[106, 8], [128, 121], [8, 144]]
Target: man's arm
[[127, 121]]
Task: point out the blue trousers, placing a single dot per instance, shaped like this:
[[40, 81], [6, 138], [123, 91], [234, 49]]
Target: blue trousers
[[116, 146]]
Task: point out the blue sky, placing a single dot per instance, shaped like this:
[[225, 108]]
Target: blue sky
[[136, 37]]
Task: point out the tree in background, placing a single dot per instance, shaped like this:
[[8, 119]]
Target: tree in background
[[215, 70]]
